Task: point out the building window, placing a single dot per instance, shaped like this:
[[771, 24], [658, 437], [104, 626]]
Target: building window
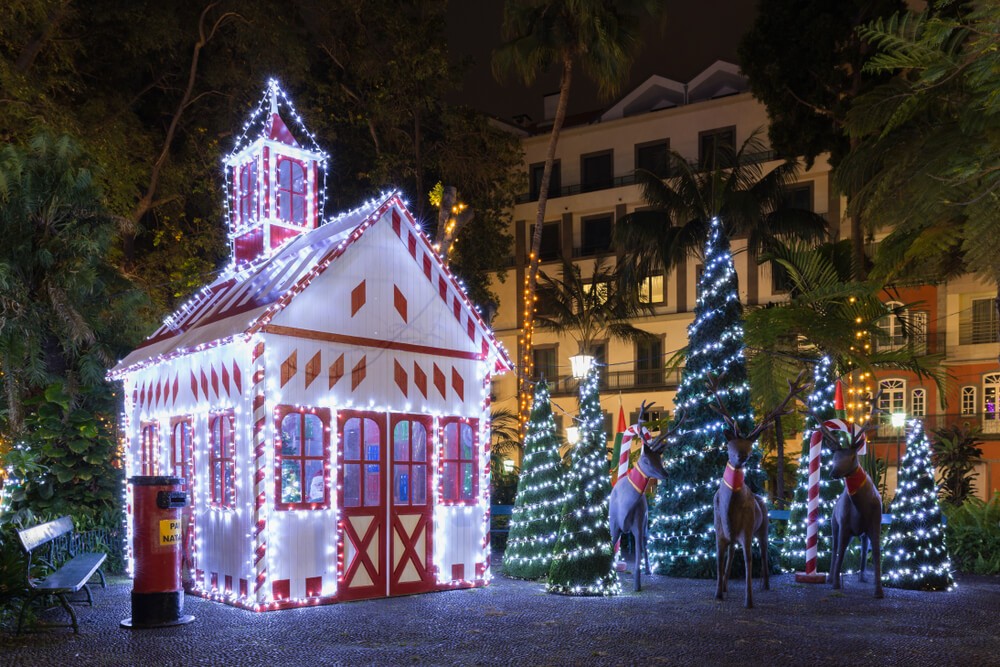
[[699, 271], [715, 147], [651, 289], [409, 467], [902, 328], [892, 399], [180, 449], [222, 459], [596, 293], [555, 181], [291, 190], [968, 401], [545, 362], [918, 402], [649, 362], [781, 280], [301, 460], [982, 328], [799, 196], [597, 171], [596, 235], [362, 442], [459, 483], [149, 445], [549, 250], [247, 195], [991, 395], [654, 157]]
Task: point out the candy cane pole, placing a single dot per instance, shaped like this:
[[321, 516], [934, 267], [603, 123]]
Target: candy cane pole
[[810, 576]]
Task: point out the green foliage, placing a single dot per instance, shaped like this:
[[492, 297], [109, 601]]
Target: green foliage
[[973, 534], [65, 461], [582, 555], [956, 450]]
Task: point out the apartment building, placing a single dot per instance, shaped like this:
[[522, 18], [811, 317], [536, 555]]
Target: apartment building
[[593, 186]]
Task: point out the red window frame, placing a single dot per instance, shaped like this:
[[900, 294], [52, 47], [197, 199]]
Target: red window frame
[[149, 443], [222, 459], [246, 191], [406, 461], [305, 462], [181, 448], [453, 457], [288, 197]]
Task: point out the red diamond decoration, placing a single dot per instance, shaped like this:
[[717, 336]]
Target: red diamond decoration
[[336, 371], [237, 377], [358, 373], [457, 384], [439, 381], [399, 301], [399, 374], [204, 383], [427, 267], [289, 367], [358, 298], [194, 385], [225, 378], [420, 379], [312, 369], [215, 381]]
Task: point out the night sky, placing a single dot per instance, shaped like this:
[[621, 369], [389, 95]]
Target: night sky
[[696, 34]]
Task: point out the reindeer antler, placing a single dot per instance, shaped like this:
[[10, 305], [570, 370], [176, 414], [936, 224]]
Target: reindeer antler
[[795, 388], [661, 441], [713, 382], [642, 412]]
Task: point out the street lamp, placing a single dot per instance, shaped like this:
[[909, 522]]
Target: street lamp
[[572, 435], [508, 466], [580, 364]]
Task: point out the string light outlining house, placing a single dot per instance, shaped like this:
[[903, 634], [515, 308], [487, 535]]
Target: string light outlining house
[[325, 399]]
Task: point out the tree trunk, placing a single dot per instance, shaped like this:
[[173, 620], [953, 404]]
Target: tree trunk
[[531, 279], [31, 50], [779, 446]]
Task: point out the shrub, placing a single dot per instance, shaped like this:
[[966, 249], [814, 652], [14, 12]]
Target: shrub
[[973, 533]]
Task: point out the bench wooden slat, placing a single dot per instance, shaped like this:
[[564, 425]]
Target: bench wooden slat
[[72, 576], [32, 538]]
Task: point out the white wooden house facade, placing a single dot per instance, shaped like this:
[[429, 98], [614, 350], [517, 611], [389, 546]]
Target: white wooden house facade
[[326, 400]]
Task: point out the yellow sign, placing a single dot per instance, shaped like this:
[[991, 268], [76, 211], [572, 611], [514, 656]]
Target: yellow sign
[[170, 532]]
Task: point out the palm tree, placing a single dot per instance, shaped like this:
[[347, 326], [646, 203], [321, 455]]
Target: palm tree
[[731, 185], [602, 37], [825, 312], [588, 309]]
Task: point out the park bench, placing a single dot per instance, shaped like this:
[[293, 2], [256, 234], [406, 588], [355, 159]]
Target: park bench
[[65, 572]]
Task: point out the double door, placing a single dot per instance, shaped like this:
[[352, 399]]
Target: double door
[[385, 541]]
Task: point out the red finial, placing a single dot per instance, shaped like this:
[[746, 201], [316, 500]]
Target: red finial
[[838, 397]]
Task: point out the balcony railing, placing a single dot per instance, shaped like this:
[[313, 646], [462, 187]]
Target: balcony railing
[[657, 379], [989, 422], [974, 332], [919, 344], [628, 179]]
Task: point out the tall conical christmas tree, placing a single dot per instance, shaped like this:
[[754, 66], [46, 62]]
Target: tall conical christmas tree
[[914, 554], [682, 533], [534, 523], [821, 408], [582, 558]]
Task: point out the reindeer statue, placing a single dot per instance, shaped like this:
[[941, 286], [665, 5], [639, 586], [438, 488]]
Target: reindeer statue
[[627, 507], [858, 512], [739, 514]]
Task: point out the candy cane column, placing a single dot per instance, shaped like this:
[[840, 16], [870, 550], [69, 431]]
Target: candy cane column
[[260, 474]]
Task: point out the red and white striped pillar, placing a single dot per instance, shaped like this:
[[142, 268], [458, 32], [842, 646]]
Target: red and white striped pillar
[[260, 474]]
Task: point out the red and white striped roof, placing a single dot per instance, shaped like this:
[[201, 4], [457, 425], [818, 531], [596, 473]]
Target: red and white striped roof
[[242, 301]]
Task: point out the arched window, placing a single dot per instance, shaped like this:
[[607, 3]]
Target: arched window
[[302, 474], [968, 401], [991, 398], [291, 190], [247, 194], [222, 460], [918, 402]]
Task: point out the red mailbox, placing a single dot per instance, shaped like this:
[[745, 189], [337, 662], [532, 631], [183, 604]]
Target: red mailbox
[[157, 547]]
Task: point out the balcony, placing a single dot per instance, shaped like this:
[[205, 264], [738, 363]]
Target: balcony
[[989, 422], [975, 332], [920, 344], [658, 379], [620, 181]]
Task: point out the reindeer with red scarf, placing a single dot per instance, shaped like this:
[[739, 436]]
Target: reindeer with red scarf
[[628, 510], [858, 512], [739, 514]]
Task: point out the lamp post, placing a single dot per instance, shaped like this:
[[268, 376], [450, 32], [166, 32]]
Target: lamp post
[[572, 435], [580, 364]]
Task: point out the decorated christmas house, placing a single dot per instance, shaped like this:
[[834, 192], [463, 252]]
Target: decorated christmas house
[[325, 399]]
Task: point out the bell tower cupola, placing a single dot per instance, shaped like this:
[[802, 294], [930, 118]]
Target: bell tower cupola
[[275, 184]]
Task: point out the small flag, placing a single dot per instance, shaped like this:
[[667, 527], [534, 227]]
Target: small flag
[[616, 453]]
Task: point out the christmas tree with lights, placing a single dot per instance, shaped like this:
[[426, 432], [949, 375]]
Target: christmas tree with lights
[[682, 532], [914, 554], [821, 408], [534, 522], [582, 557]]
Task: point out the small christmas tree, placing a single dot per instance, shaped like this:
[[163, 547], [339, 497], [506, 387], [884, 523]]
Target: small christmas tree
[[534, 523], [821, 408], [682, 531], [582, 558], [914, 554]]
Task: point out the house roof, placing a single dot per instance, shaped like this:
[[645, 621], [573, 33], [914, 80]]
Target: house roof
[[244, 299]]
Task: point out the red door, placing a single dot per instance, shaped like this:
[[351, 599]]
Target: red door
[[362, 543], [410, 517]]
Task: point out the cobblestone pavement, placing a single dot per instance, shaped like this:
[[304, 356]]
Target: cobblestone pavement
[[671, 622]]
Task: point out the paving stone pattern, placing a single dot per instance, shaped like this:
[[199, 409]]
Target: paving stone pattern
[[671, 622]]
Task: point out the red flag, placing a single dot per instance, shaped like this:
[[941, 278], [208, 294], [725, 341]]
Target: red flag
[[621, 419]]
